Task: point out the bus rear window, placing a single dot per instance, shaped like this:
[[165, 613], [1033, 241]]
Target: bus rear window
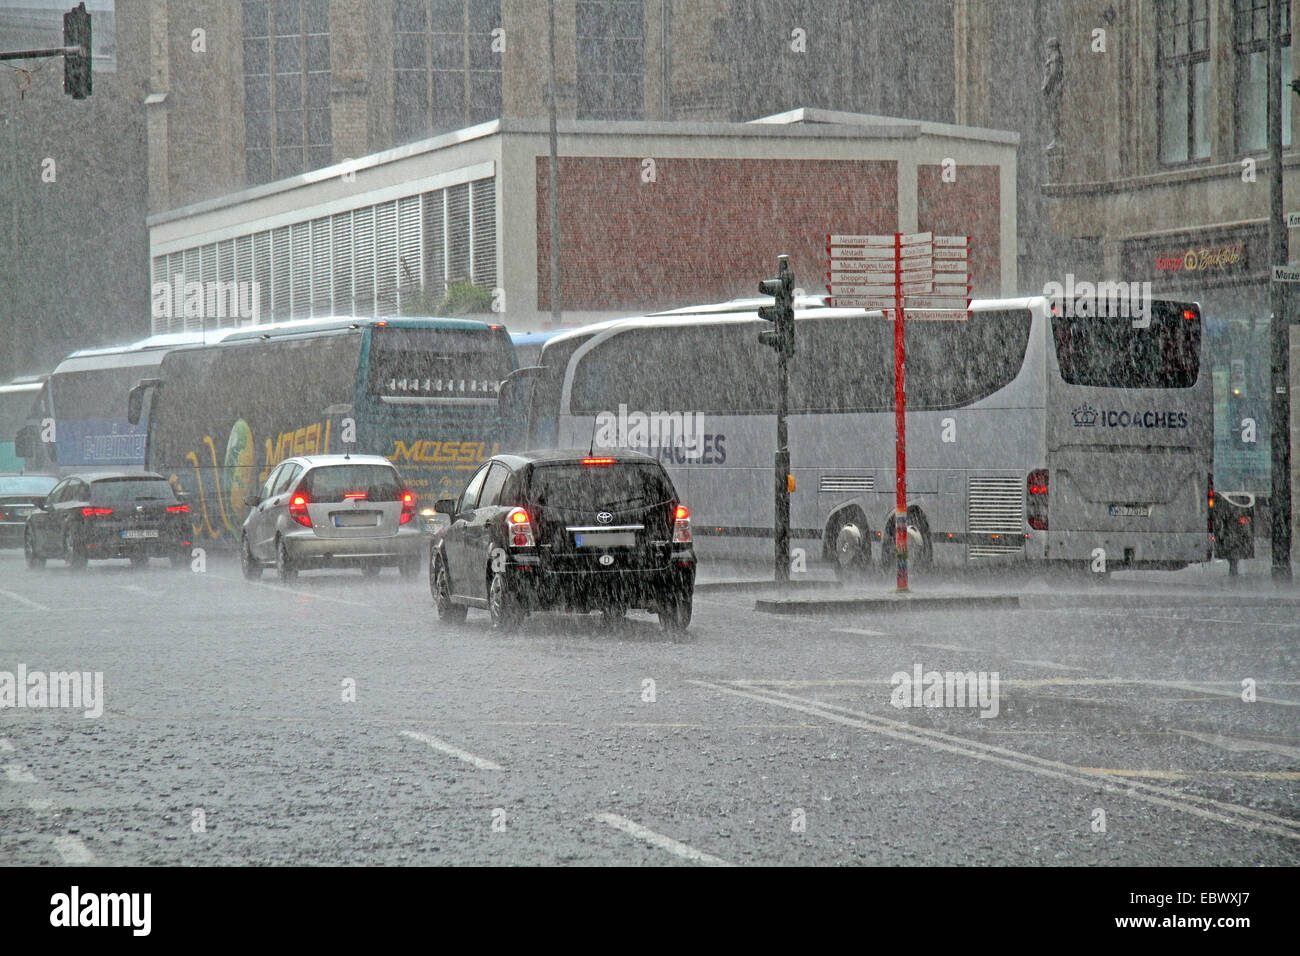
[[437, 363], [1108, 352]]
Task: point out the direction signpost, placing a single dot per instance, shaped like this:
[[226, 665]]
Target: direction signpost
[[891, 273]]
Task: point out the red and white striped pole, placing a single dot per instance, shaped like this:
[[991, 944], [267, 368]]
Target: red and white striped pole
[[900, 423]]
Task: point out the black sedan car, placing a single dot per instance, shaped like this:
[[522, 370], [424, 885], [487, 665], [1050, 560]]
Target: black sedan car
[[18, 497], [565, 530], [109, 515]]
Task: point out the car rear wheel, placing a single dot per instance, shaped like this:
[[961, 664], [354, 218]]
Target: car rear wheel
[[284, 566], [251, 567], [502, 605], [74, 551], [440, 585], [34, 561], [675, 614]]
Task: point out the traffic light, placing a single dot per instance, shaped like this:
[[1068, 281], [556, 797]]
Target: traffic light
[[76, 66], [781, 314]]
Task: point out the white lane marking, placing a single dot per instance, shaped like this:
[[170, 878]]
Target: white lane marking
[[456, 752], [1226, 688], [859, 630], [1241, 745], [659, 841], [22, 600], [1204, 807], [1212, 620], [5, 745], [134, 588], [73, 851], [1052, 664], [18, 773], [950, 647]]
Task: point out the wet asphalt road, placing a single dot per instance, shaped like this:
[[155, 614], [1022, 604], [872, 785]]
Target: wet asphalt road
[[337, 721]]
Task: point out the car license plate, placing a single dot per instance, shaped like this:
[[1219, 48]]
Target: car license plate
[[1130, 511], [357, 519], [604, 539], [140, 533]]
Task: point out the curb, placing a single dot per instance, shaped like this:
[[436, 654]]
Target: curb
[[886, 603]]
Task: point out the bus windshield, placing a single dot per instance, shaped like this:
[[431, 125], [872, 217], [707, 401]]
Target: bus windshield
[[1108, 352], [436, 364]]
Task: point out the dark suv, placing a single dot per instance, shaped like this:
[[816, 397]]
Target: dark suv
[[109, 515], [565, 530]]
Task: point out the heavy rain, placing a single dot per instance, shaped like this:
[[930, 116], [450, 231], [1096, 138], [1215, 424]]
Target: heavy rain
[[649, 433]]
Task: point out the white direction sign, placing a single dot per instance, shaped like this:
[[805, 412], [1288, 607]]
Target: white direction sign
[[862, 302], [923, 249], [839, 240], [874, 266], [1286, 273], [912, 239], [861, 252], [1293, 220], [937, 302], [943, 252], [957, 242]]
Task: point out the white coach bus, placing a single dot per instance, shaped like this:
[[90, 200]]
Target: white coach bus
[[1030, 435]]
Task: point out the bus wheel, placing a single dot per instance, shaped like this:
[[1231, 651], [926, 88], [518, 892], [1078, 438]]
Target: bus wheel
[[848, 544], [920, 550]]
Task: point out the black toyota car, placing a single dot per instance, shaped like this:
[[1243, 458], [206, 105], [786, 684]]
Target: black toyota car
[[565, 530], [108, 515]]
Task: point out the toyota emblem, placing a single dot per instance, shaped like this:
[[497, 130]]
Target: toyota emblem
[[606, 559], [604, 517]]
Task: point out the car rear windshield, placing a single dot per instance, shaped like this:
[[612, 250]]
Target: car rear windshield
[[1108, 352], [131, 489], [587, 487], [333, 482]]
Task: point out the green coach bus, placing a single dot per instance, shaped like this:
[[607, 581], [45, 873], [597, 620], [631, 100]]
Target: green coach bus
[[422, 392]]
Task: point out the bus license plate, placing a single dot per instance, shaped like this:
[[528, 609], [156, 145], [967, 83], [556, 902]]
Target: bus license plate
[[1130, 511], [605, 539], [140, 534]]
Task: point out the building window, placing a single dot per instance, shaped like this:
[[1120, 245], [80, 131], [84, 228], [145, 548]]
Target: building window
[[1251, 32], [286, 88], [611, 60], [446, 65], [370, 261], [1184, 79]]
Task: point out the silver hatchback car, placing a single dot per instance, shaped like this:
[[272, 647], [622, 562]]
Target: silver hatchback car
[[320, 511]]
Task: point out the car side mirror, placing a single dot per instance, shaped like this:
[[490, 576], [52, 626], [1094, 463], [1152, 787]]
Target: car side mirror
[[252, 501], [44, 503], [445, 506]]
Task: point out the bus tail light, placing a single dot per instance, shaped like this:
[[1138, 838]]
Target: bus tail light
[[520, 528], [1036, 500], [681, 525], [298, 510], [408, 507], [1209, 504]]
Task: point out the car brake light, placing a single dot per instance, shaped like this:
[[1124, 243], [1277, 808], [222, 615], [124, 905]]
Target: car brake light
[[521, 528], [353, 494], [180, 509], [408, 507], [93, 512], [682, 525], [1037, 485], [598, 461], [1209, 504], [298, 510]]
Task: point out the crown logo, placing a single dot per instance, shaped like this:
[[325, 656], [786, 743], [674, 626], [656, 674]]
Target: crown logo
[[1085, 416]]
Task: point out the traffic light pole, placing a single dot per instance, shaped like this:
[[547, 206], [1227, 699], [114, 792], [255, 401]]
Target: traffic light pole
[[782, 536]]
